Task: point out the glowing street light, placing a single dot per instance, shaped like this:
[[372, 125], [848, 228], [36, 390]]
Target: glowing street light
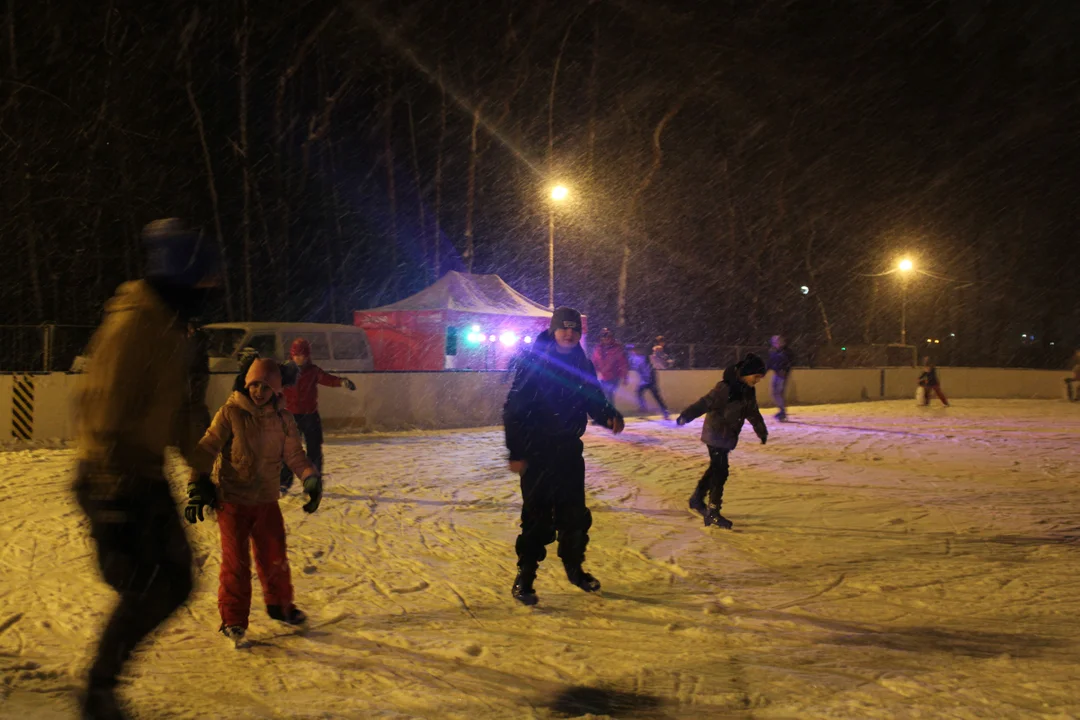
[[905, 266], [559, 193]]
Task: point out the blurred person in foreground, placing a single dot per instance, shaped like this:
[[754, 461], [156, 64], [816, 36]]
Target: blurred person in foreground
[[555, 391], [134, 401]]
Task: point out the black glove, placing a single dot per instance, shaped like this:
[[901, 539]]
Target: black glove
[[201, 493], [348, 383], [681, 420], [313, 487]]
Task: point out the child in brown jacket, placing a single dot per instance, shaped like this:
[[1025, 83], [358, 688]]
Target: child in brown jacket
[[251, 436]]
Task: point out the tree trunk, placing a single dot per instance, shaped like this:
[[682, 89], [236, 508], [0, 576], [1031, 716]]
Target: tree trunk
[[420, 212], [212, 187], [437, 240], [628, 218], [391, 187], [470, 200], [245, 221]]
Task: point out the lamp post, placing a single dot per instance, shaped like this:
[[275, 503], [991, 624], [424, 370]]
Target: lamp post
[[559, 193], [904, 267]]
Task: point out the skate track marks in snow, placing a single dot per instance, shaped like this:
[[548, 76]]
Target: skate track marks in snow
[[887, 561]]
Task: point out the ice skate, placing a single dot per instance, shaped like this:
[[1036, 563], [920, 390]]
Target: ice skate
[[577, 576], [100, 703], [235, 634], [713, 517], [523, 590], [292, 616]]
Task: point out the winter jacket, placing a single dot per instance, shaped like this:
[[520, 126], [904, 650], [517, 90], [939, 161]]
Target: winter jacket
[[929, 378], [133, 401], [728, 405], [643, 367], [611, 363], [302, 398], [249, 444], [781, 360], [551, 399], [659, 359]]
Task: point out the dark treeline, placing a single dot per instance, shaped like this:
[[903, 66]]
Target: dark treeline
[[345, 153]]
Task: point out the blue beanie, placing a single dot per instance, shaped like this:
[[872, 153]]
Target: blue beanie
[[178, 254]]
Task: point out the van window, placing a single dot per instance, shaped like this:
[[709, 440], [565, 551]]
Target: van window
[[349, 346], [263, 344], [222, 342], [320, 349]]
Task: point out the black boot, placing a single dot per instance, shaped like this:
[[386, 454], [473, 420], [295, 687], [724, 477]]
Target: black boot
[[713, 517], [577, 576], [523, 590], [293, 616], [99, 702]]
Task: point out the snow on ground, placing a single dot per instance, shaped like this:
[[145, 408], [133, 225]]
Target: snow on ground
[[888, 561]]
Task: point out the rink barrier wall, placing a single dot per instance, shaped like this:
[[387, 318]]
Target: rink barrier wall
[[438, 400]]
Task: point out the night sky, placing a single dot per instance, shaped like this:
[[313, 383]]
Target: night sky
[[732, 151]]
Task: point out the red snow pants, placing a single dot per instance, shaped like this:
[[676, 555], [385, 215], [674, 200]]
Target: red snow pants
[[262, 527]]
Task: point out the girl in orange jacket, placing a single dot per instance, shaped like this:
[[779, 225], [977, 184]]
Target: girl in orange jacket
[[250, 437]]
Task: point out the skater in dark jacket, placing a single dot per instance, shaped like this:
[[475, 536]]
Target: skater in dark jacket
[[781, 359], [728, 405], [555, 391], [930, 383], [302, 400]]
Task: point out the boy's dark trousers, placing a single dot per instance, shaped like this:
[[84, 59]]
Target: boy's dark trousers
[[779, 386], [936, 389], [143, 554], [655, 389], [716, 475], [553, 505], [310, 427]]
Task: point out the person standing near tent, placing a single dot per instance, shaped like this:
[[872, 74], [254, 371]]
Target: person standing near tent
[[781, 359], [555, 391], [302, 400], [138, 397], [612, 366]]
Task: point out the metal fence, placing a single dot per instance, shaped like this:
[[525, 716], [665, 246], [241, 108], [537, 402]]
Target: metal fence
[[692, 356], [42, 348]]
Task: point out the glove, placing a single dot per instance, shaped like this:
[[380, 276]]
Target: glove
[[201, 493], [313, 487], [681, 420], [348, 383]]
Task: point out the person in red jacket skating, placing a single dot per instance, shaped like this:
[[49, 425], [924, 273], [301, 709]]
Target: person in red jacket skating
[[302, 400]]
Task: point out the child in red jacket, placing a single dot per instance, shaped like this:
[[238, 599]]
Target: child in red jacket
[[302, 400]]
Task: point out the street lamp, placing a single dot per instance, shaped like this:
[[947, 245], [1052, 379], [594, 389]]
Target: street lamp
[[905, 266], [559, 193]]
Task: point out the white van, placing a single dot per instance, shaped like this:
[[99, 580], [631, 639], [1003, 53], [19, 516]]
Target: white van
[[334, 348]]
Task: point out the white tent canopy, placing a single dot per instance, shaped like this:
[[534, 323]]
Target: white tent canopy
[[462, 292]]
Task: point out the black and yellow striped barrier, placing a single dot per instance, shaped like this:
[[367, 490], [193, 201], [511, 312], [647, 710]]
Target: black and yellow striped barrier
[[22, 408]]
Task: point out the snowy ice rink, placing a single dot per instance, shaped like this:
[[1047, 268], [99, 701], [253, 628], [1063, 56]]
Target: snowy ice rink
[[888, 561]]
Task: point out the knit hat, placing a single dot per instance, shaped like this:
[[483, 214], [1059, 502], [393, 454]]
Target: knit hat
[[264, 370], [178, 254], [751, 365], [565, 317], [300, 346]]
